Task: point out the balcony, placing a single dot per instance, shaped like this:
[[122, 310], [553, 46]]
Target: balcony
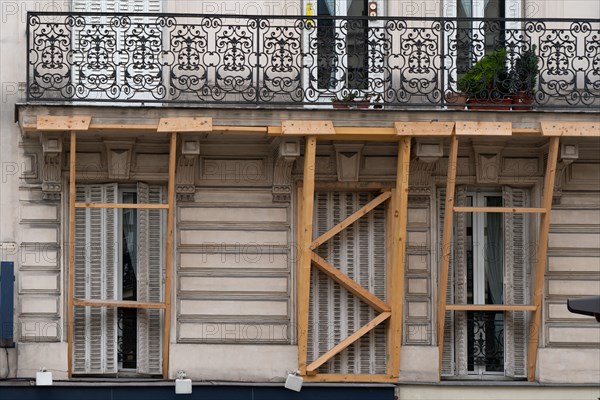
[[313, 62]]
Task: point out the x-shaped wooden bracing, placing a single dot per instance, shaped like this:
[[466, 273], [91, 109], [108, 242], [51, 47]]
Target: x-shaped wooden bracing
[[349, 284]]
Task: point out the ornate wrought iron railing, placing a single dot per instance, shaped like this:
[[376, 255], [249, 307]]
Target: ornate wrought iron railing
[[311, 61]]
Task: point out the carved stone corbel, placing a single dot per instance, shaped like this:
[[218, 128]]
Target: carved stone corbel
[[287, 153], [347, 160], [185, 179], [118, 154], [568, 154], [427, 152], [51, 171], [487, 163]]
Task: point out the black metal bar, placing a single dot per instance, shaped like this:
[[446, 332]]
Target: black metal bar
[[207, 60]]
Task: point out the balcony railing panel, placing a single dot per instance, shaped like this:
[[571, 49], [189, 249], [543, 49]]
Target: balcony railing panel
[[308, 61]]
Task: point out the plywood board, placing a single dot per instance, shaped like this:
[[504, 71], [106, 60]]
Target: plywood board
[[63, 123], [185, 124], [432, 128], [304, 128], [571, 129], [480, 128]]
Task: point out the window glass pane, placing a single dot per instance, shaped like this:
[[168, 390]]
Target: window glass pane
[[357, 46], [493, 257]]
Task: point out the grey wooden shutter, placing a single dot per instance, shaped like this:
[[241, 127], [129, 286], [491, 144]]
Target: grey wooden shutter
[[150, 279], [454, 357], [334, 313], [96, 272], [515, 282]]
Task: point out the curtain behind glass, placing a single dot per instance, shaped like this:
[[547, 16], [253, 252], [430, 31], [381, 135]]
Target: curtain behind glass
[[494, 270]]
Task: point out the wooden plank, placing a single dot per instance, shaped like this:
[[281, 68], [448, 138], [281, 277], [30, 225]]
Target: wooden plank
[[349, 284], [121, 205], [400, 214], [303, 128], [363, 330], [72, 191], [185, 124], [527, 131], [364, 378], [389, 267], [432, 128], [350, 220], [169, 253], [590, 129], [116, 303], [481, 128], [446, 241], [520, 210], [304, 261], [541, 256], [489, 307], [63, 123]]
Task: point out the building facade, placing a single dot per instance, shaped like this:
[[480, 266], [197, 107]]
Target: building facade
[[243, 190]]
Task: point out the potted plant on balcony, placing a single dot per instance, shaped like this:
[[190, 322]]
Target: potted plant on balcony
[[524, 78], [487, 83]]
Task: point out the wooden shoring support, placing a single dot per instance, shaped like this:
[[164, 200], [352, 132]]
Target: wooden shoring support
[[305, 253], [399, 206], [125, 205], [350, 220], [349, 284], [363, 330], [169, 253], [514, 210], [446, 245], [489, 307], [117, 303], [542, 251], [70, 309], [364, 378]]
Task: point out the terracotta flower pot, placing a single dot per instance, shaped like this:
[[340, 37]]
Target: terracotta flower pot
[[490, 104], [522, 101]]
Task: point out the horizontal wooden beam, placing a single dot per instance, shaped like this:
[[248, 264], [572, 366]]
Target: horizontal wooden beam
[[364, 210], [524, 210], [117, 303], [591, 129], [432, 128], [63, 122], [363, 330], [305, 128], [363, 378], [349, 284], [185, 124], [481, 128], [121, 205], [489, 307]]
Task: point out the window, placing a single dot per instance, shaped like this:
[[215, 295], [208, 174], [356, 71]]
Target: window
[[118, 256], [346, 55], [489, 265]]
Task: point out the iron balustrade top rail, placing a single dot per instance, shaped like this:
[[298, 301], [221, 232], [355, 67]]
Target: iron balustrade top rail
[[284, 60]]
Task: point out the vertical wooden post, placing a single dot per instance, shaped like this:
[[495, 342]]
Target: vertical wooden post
[[399, 214], [540, 264], [169, 253], [446, 243], [72, 192], [304, 260]]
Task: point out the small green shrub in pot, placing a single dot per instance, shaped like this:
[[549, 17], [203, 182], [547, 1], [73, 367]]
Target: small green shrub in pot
[[489, 78]]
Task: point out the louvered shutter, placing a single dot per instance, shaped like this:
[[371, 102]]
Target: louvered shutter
[[454, 322], [96, 266], [334, 313], [515, 282], [150, 277]]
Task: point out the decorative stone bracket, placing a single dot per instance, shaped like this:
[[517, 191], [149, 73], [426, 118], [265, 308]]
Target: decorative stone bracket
[[287, 153], [185, 181], [118, 155], [568, 153], [51, 169], [487, 163], [347, 159]]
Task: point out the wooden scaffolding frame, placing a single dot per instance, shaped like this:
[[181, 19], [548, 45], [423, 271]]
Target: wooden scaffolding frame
[[397, 195]]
